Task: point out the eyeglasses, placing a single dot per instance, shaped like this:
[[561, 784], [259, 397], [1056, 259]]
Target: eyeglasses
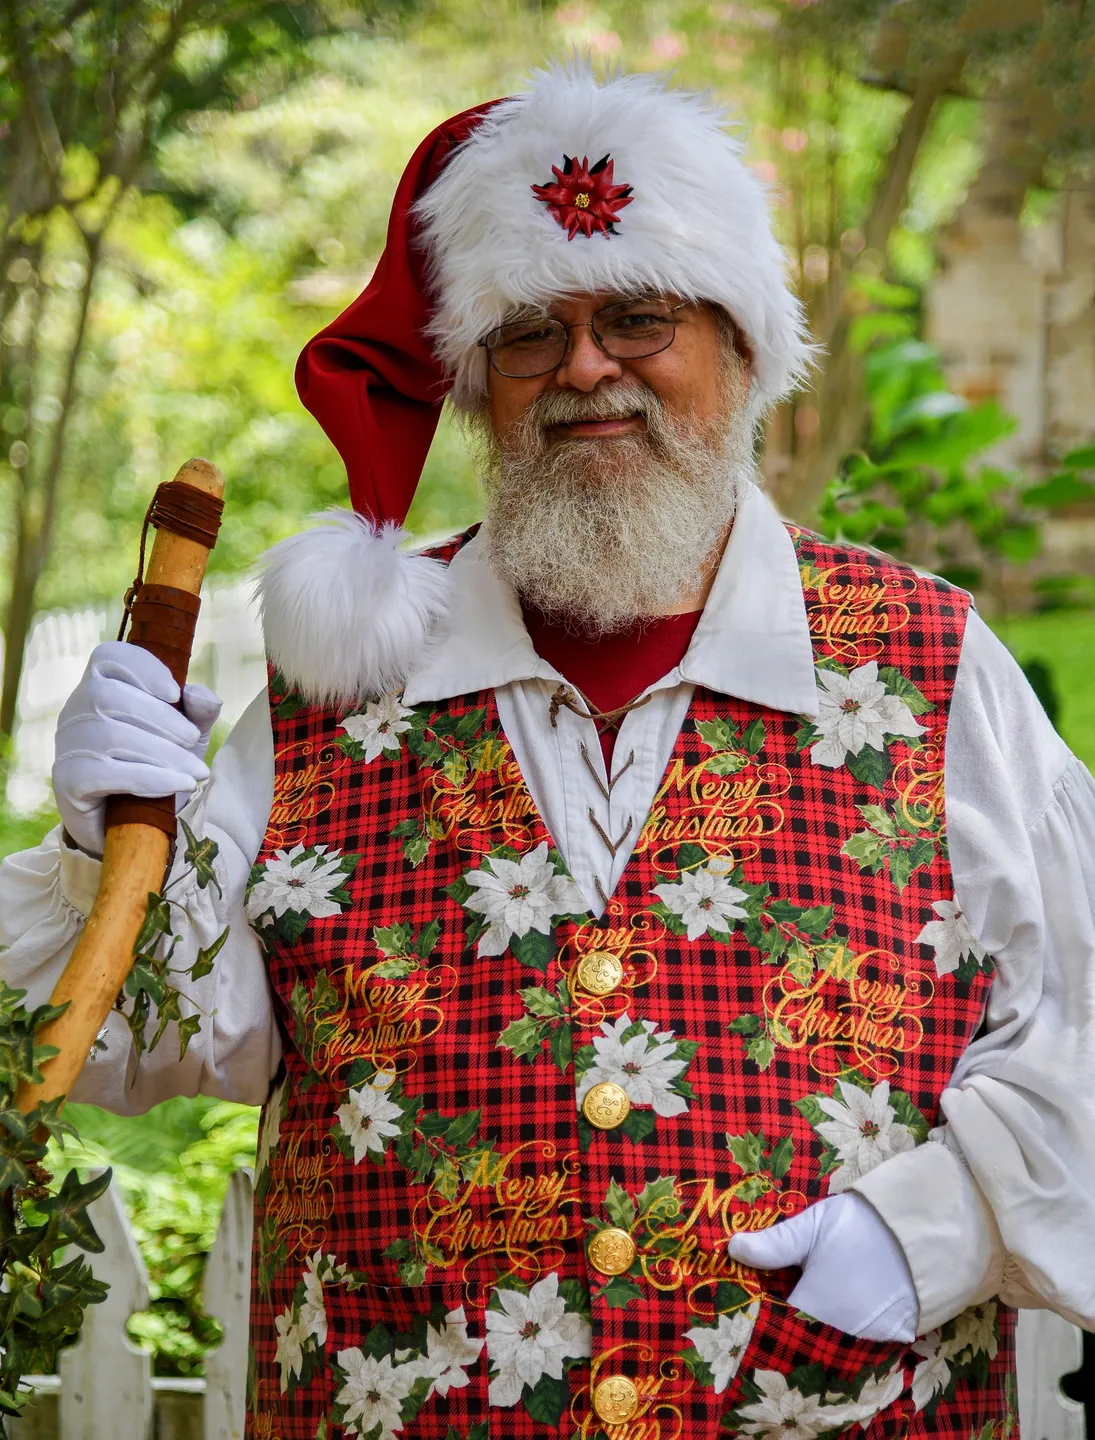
[[624, 329]]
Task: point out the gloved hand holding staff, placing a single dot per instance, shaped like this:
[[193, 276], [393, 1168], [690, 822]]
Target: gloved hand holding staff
[[163, 609]]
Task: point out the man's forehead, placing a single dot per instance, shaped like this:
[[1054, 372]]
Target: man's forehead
[[567, 305]]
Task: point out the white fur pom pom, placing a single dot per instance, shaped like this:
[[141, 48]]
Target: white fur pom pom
[[346, 613]]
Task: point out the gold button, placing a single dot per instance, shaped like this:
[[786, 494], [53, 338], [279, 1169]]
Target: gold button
[[599, 972], [611, 1251], [606, 1105], [615, 1399]]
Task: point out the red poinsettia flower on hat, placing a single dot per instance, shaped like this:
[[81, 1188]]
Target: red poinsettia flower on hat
[[583, 197]]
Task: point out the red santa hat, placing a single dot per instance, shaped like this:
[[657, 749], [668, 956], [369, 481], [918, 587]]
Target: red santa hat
[[576, 186]]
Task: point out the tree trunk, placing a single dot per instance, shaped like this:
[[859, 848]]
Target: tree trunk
[[34, 534], [838, 385]]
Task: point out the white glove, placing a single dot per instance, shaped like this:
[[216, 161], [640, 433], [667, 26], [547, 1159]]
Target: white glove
[[854, 1273], [119, 734]]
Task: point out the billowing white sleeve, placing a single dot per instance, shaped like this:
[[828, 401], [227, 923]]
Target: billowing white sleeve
[[1002, 1198], [46, 893]]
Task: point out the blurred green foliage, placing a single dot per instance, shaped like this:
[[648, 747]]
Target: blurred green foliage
[[172, 1166]]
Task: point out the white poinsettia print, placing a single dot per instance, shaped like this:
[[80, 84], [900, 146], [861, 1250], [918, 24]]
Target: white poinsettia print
[[379, 726], [784, 1413], [271, 1130], [704, 899], [878, 1394], [516, 896], [366, 1120], [531, 1336], [950, 937], [645, 1065], [449, 1352], [975, 1333], [722, 1345], [313, 1312], [291, 880], [855, 710], [373, 1392], [933, 1373], [292, 1335], [863, 1130]]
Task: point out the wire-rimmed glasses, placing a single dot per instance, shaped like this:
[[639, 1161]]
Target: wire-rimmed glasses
[[624, 329]]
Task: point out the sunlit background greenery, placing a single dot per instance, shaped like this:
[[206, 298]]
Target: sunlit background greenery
[[256, 210]]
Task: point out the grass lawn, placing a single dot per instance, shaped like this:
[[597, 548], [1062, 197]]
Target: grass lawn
[[1065, 640]]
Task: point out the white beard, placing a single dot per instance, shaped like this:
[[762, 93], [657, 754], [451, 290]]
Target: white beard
[[604, 533]]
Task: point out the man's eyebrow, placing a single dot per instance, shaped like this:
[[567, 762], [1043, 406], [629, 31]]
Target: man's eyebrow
[[525, 312]]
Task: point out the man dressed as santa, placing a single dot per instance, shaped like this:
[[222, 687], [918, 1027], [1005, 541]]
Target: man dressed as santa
[[662, 939]]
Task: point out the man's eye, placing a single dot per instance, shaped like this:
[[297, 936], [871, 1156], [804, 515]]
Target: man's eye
[[525, 336], [633, 320]]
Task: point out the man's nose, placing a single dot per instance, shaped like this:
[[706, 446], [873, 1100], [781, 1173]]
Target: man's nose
[[585, 364]]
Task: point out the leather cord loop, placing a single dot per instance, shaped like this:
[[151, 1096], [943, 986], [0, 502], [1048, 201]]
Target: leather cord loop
[[183, 510]]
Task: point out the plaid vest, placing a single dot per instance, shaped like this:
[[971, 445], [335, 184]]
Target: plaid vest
[[497, 1178]]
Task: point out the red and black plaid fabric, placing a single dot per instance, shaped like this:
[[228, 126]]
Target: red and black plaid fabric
[[816, 1005]]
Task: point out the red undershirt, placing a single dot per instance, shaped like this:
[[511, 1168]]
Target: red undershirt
[[614, 669]]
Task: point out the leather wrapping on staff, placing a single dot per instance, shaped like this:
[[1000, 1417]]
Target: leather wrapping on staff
[[128, 810], [162, 621]]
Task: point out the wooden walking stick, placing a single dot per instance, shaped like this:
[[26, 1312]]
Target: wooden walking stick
[[162, 608]]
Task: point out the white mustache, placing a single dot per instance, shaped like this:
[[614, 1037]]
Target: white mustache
[[618, 402]]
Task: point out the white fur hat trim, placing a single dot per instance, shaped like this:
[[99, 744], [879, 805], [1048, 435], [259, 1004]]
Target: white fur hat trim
[[345, 612], [697, 225]]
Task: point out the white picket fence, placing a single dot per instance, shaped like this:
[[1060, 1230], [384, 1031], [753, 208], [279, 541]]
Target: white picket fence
[[228, 657], [105, 1389]]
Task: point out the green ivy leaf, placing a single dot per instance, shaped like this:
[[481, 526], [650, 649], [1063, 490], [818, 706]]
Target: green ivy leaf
[[203, 964], [200, 854], [157, 922], [68, 1210]]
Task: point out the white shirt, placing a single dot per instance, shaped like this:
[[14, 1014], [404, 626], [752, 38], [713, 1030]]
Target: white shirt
[[1002, 1198]]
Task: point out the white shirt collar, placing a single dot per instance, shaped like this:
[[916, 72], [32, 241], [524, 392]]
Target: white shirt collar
[[752, 642]]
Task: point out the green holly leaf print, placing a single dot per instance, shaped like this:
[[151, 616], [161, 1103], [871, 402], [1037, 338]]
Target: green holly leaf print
[[463, 1127], [879, 819], [560, 1046], [691, 857], [547, 1400], [897, 684], [416, 840], [754, 736], [534, 949], [539, 1001], [392, 939], [719, 734], [867, 850], [658, 1199], [619, 1292], [761, 1050], [780, 1157], [752, 1188], [900, 868], [619, 1206], [815, 921], [800, 962], [726, 763], [522, 1036], [639, 1125], [909, 1114], [747, 1150], [398, 1249], [870, 767], [745, 1025]]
